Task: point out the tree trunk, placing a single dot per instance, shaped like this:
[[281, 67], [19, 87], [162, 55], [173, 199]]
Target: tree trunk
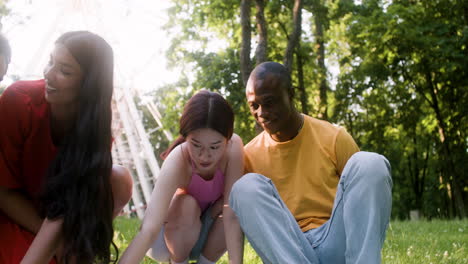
[[261, 51], [418, 174], [246, 38], [300, 77], [446, 140], [320, 45], [296, 34], [425, 165]]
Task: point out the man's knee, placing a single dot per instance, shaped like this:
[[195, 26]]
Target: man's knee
[[246, 189], [374, 167]]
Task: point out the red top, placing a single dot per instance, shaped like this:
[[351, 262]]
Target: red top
[[26, 151]]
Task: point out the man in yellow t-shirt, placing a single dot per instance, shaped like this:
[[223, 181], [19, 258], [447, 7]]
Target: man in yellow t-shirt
[[310, 195]]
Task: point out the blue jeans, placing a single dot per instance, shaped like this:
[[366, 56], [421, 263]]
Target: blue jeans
[[354, 233]]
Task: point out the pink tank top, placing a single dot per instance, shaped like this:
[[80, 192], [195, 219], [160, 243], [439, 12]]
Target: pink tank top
[[206, 192]]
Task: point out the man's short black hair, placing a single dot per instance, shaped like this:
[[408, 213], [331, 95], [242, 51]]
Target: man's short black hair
[[276, 69]]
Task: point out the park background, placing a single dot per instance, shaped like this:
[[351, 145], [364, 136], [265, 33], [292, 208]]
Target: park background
[[393, 73]]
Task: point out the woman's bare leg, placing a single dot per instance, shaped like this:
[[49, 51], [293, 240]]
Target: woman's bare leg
[[183, 226]]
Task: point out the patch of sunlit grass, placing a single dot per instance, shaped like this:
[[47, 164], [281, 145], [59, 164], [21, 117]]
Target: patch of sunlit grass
[[436, 242]]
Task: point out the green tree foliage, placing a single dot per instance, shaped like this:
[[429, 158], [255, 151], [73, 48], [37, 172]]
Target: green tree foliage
[[405, 71], [216, 69]]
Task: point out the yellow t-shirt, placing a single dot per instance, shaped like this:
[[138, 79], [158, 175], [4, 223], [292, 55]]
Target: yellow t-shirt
[[306, 169]]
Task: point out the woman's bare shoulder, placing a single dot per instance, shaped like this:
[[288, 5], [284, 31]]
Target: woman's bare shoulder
[[179, 162], [236, 143], [235, 150]]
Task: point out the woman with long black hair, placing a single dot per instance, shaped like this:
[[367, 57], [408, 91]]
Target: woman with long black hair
[[59, 190]]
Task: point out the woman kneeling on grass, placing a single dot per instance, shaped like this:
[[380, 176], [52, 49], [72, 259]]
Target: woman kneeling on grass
[[183, 220]]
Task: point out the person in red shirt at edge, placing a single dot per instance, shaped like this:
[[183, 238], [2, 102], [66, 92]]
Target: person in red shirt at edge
[[59, 190]]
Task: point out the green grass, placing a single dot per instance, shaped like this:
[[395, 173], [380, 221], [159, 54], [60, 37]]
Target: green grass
[[436, 242]]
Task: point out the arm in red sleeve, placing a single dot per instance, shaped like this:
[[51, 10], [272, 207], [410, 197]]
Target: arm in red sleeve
[[15, 126]]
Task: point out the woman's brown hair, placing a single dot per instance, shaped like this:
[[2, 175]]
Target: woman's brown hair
[[204, 110]]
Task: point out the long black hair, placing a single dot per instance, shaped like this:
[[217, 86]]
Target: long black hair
[[204, 110], [78, 187]]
